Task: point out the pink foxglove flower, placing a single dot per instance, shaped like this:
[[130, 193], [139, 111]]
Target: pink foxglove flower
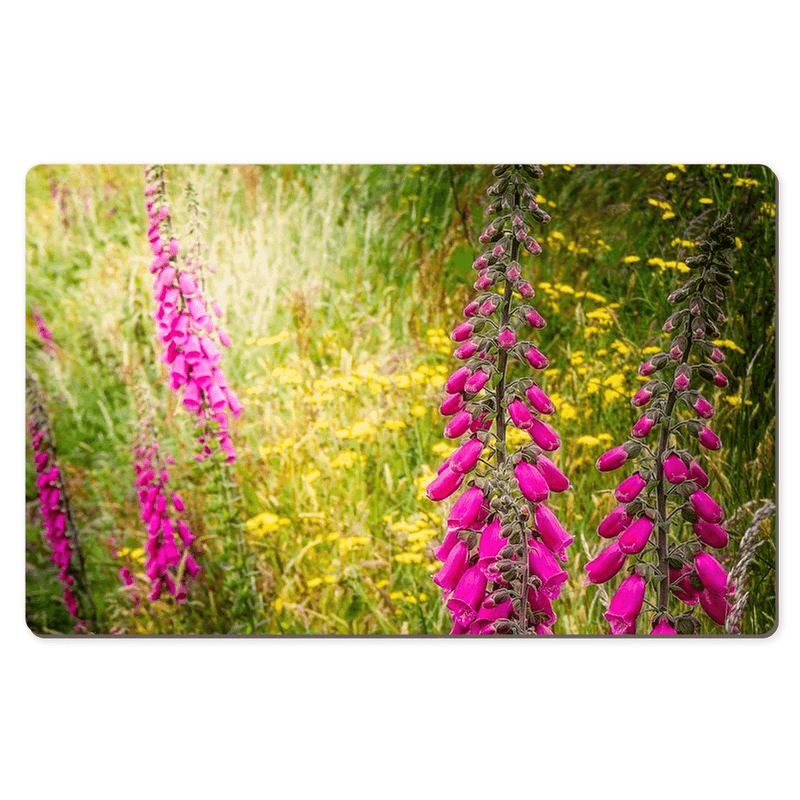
[[168, 536], [500, 570], [650, 527], [59, 527], [186, 328]]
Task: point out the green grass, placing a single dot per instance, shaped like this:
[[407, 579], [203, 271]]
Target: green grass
[[338, 285]]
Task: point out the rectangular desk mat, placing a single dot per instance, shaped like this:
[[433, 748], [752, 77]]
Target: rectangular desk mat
[[401, 400]]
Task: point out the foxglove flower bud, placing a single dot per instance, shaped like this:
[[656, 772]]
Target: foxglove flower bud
[[705, 507], [536, 359], [556, 480], [709, 439], [506, 338], [539, 400], [466, 509], [703, 408], [675, 471], [612, 459], [466, 457], [476, 381], [614, 523], [544, 436], [642, 427], [630, 488], [520, 414], [663, 627]]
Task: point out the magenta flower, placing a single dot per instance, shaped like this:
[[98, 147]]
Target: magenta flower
[[705, 507], [636, 536], [501, 574], [629, 488], [711, 573], [663, 627], [709, 439], [710, 534], [614, 523], [444, 484], [467, 596], [626, 604], [642, 427], [605, 565], [531, 482], [557, 481], [466, 509], [163, 555], [612, 459], [675, 471], [539, 400]]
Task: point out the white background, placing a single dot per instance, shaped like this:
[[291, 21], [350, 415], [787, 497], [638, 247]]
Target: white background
[[567, 82]]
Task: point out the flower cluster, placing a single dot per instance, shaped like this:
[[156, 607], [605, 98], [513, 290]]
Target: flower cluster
[[186, 327], [166, 563], [58, 526], [668, 486], [501, 553]]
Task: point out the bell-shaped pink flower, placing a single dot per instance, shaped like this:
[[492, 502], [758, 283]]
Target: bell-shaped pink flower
[[715, 605], [539, 400], [626, 604], [466, 350], [636, 536], [663, 627], [642, 427], [612, 459], [466, 457], [531, 482], [544, 436], [453, 568], [557, 481], [710, 534], [614, 523], [466, 509], [462, 332], [682, 586], [506, 338], [630, 488], [455, 383], [467, 596], [449, 542], [543, 564], [536, 359], [711, 573], [520, 414], [444, 484], [720, 380], [698, 475], [703, 408], [705, 507], [606, 564], [675, 471], [535, 319], [476, 381], [642, 397], [458, 425], [452, 404], [709, 439], [492, 541], [552, 531]]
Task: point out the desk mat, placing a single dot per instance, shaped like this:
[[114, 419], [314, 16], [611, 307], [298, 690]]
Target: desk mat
[[401, 400]]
